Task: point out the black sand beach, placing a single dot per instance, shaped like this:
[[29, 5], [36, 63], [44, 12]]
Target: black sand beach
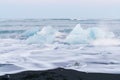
[[59, 74]]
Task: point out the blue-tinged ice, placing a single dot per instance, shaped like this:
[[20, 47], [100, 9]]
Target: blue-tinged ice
[[45, 36], [30, 32], [77, 36], [99, 33], [84, 36]]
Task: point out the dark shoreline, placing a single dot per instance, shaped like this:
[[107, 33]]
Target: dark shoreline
[[59, 74]]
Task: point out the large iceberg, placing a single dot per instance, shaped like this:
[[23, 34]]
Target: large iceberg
[[84, 36], [45, 36]]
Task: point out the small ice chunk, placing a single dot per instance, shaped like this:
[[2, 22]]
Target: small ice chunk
[[77, 36], [98, 33], [46, 35], [30, 32]]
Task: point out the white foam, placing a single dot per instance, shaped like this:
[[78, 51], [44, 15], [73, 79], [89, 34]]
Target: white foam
[[106, 42]]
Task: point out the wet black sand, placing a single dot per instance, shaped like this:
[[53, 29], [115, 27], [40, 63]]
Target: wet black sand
[[59, 74]]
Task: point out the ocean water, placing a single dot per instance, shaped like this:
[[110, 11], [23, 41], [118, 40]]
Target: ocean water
[[28, 44]]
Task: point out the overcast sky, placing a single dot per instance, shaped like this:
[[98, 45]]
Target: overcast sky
[[81, 9]]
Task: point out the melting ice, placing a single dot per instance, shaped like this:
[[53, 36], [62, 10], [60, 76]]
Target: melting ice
[[46, 35], [30, 32], [79, 35]]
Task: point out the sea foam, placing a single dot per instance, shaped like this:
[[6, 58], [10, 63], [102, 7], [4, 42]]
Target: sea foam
[[104, 54]]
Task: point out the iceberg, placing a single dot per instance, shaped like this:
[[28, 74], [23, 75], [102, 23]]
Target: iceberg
[[84, 36], [99, 33], [30, 32], [77, 36], [45, 36]]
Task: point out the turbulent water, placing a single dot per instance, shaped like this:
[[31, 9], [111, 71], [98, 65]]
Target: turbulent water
[[40, 44]]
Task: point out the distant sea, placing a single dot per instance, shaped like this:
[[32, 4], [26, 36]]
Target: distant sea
[[13, 27]]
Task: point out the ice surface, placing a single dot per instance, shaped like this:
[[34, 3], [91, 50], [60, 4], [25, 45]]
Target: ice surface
[[83, 36], [30, 32], [77, 36], [99, 33], [45, 36]]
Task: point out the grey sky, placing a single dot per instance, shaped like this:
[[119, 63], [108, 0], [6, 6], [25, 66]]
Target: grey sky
[[82, 9]]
